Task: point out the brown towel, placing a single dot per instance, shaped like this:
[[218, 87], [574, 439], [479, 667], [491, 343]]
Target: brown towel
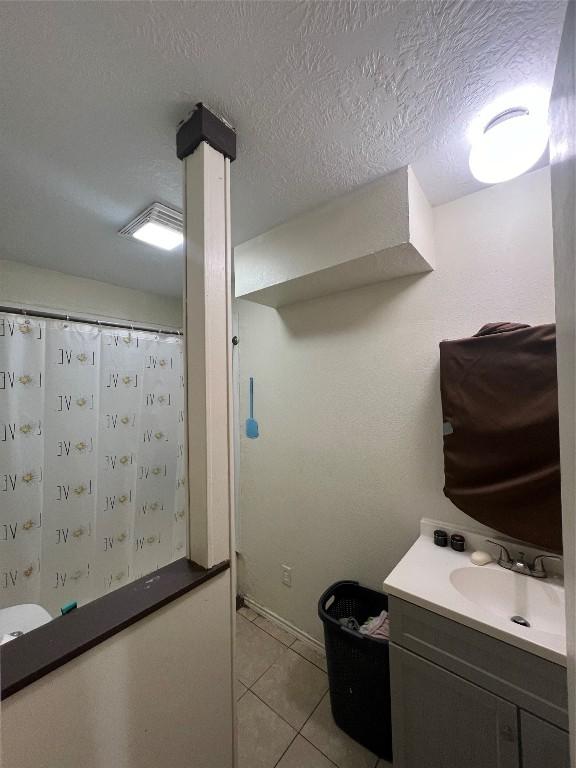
[[501, 445]]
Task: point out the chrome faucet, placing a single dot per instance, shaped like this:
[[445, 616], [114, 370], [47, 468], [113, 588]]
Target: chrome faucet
[[519, 564]]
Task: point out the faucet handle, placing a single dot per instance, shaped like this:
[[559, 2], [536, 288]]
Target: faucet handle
[[538, 569], [503, 555]]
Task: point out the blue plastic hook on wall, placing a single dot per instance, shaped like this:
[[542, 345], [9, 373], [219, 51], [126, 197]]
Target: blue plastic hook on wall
[[251, 423]]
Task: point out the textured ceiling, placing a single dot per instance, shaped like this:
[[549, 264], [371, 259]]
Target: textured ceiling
[[324, 96]]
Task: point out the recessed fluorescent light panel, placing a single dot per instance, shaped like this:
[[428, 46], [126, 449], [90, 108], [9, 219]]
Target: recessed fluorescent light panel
[[158, 225]]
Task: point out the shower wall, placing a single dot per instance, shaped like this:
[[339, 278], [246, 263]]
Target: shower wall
[[92, 480]]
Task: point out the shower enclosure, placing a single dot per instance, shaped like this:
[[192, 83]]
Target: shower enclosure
[[92, 458]]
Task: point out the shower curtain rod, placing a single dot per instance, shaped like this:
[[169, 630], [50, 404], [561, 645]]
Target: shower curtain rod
[[49, 314]]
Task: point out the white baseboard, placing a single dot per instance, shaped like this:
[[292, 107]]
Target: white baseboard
[[268, 614]]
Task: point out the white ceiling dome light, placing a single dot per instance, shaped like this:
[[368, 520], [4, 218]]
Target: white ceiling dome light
[[511, 141]]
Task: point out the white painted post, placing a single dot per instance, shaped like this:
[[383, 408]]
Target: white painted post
[[207, 323]]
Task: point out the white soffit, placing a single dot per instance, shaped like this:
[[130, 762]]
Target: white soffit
[[381, 231]]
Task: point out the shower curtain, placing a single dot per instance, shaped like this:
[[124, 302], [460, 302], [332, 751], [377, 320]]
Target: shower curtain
[[92, 458]]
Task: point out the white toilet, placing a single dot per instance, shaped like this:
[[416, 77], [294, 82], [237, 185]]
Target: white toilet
[[19, 619]]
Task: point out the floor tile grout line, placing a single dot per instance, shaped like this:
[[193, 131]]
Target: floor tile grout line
[[285, 648], [291, 646], [294, 728], [271, 635], [250, 687], [253, 621], [327, 756], [307, 739], [307, 659], [296, 731], [286, 750], [326, 693], [296, 639], [317, 748], [260, 676], [246, 617], [241, 616], [271, 665], [273, 710]]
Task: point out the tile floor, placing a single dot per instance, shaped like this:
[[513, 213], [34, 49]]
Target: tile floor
[[284, 718]]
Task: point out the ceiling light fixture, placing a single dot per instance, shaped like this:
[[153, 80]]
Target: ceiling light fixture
[[509, 144], [158, 225]]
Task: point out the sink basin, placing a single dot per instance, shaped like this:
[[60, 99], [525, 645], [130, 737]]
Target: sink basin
[[506, 594], [486, 597]]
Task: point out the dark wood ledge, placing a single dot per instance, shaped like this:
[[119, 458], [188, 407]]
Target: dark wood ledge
[[35, 654]]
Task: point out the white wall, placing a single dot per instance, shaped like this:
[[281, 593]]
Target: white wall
[[563, 158], [348, 402], [157, 694], [31, 287]]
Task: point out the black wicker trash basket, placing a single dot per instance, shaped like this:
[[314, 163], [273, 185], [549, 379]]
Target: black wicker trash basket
[[358, 666]]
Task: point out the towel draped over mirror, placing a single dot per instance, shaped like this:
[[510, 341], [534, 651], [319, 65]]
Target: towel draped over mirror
[[501, 444]]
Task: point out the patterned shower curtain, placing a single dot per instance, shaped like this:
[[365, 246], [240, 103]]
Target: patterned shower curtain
[[92, 459]]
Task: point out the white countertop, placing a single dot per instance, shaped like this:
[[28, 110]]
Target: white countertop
[[432, 577]]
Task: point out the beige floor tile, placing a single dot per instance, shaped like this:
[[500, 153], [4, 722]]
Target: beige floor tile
[[256, 651], [240, 689], [262, 735], [248, 613], [301, 754], [273, 629], [292, 687], [311, 653], [323, 732]]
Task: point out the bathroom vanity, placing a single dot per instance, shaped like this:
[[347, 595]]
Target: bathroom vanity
[[466, 690]]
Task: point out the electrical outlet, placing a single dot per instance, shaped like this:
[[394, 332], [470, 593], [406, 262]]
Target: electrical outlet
[[287, 575]]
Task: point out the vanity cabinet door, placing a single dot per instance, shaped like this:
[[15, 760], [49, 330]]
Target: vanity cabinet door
[[442, 721], [543, 744]]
